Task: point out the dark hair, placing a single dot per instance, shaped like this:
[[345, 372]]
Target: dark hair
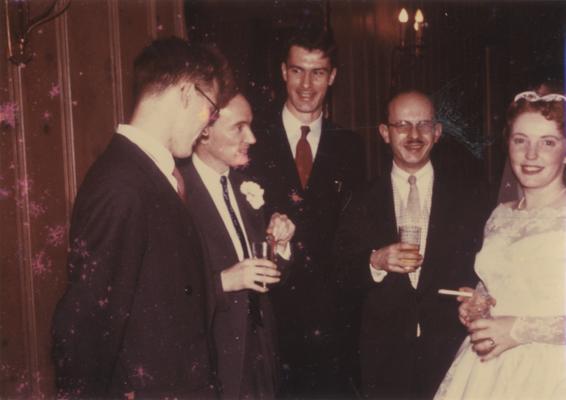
[[166, 62], [551, 110], [313, 37]]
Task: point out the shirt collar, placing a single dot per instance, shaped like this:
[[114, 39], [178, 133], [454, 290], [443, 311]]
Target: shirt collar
[[206, 173], [425, 173], [150, 146], [293, 125]]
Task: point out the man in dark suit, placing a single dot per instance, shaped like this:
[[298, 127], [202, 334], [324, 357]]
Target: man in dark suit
[[135, 319], [308, 167], [409, 333], [228, 210]]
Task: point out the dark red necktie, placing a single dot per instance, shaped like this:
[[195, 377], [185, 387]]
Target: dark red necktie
[[303, 156], [180, 185]]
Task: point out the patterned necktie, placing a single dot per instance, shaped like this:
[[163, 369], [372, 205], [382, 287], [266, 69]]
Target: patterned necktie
[[303, 156], [413, 211], [180, 185], [253, 298]]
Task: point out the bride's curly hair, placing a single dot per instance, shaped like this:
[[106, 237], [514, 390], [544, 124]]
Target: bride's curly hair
[[551, 110]]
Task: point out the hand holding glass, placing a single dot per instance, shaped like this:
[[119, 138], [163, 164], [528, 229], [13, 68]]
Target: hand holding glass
[[262, 249]]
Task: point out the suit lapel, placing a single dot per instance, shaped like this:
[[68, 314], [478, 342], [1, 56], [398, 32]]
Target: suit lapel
[[323, 160], [285, 155], [204, 210], [440, 204]]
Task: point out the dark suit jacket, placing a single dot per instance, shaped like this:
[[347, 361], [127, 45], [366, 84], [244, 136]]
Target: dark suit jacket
[[231, 318], [137, 313], [305, 307], [393, 363]]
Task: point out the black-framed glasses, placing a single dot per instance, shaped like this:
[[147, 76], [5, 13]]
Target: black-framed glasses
[[215, 109], [423, 127]]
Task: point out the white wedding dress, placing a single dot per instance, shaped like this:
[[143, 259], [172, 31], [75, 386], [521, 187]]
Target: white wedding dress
[[523, 266]]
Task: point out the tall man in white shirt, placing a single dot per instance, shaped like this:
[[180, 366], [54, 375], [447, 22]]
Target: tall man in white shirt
[[309, 168], [136, 318], [409, 333], [228, 211]]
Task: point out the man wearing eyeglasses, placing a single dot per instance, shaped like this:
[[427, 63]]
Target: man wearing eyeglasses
[[136, 319], [409, 333]]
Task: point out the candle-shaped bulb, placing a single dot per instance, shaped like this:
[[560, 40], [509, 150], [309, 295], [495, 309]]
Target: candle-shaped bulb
[[416, 26], [419, 17], [403, 16]]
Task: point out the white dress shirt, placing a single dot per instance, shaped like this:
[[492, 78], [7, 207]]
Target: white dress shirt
[[162, 157], [401, 187], [211, 180], [293, 130]]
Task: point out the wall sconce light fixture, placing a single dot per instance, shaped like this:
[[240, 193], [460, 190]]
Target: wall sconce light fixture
[[20, 24], [413, 43]]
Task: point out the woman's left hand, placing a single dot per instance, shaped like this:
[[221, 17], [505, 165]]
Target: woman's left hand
[[491, 337]]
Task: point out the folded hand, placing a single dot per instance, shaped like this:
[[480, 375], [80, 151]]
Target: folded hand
[[401, 258]]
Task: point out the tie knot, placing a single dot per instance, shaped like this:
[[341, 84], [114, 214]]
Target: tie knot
[[224, 181], [305, 129], [412, 179]]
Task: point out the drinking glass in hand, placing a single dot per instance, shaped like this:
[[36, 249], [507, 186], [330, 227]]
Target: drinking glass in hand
[[410, 234], [262, 249], [480, 304]]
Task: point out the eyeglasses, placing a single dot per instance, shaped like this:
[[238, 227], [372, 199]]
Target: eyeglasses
[[406, 127], [215, 112]]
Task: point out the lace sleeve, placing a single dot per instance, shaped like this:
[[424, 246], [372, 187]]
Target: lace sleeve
[[549, 330]]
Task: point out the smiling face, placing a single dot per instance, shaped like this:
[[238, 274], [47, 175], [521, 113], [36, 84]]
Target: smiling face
[[537, 152], [411, 130], [227, 141], [307, 75]]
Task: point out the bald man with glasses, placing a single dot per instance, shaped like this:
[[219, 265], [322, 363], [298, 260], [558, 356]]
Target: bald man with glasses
[[409, 333]]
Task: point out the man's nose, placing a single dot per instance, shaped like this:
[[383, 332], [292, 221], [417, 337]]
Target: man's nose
[[414, 132], [249, 137], [306, 81]]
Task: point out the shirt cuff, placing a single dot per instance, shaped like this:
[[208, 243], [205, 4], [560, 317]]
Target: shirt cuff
[[286, 253], [378, 275]]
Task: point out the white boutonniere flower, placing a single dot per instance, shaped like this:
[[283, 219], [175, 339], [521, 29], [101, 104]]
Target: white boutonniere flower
[[253, 193]]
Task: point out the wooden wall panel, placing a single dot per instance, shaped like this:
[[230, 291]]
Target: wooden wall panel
[[68, 100], [91, 76]]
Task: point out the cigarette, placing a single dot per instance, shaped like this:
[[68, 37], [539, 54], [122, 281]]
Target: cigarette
[[454, 293]]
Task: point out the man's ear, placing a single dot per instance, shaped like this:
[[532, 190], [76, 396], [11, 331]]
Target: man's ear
[[332, 76], [187, 90], [284, 71], [384, 132], [437, 131]]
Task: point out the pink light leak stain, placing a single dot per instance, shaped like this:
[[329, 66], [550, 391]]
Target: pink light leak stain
[[4, 193], [41, 263], [160, 27], [142, 374], [55, 235], [46, 116], [54, 91], [36, 209], [295, 197], [79, 247], [102, 303], [25, 186], [8, 112]]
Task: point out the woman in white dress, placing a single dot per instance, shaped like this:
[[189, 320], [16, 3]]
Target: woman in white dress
[[518, 349]]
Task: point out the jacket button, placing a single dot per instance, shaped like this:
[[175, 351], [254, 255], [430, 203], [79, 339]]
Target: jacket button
[[188, 290]]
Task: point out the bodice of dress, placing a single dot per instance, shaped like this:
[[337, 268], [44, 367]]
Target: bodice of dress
[[523, 261]]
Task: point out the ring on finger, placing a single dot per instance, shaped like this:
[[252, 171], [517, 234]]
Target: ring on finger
[[491, 342]]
